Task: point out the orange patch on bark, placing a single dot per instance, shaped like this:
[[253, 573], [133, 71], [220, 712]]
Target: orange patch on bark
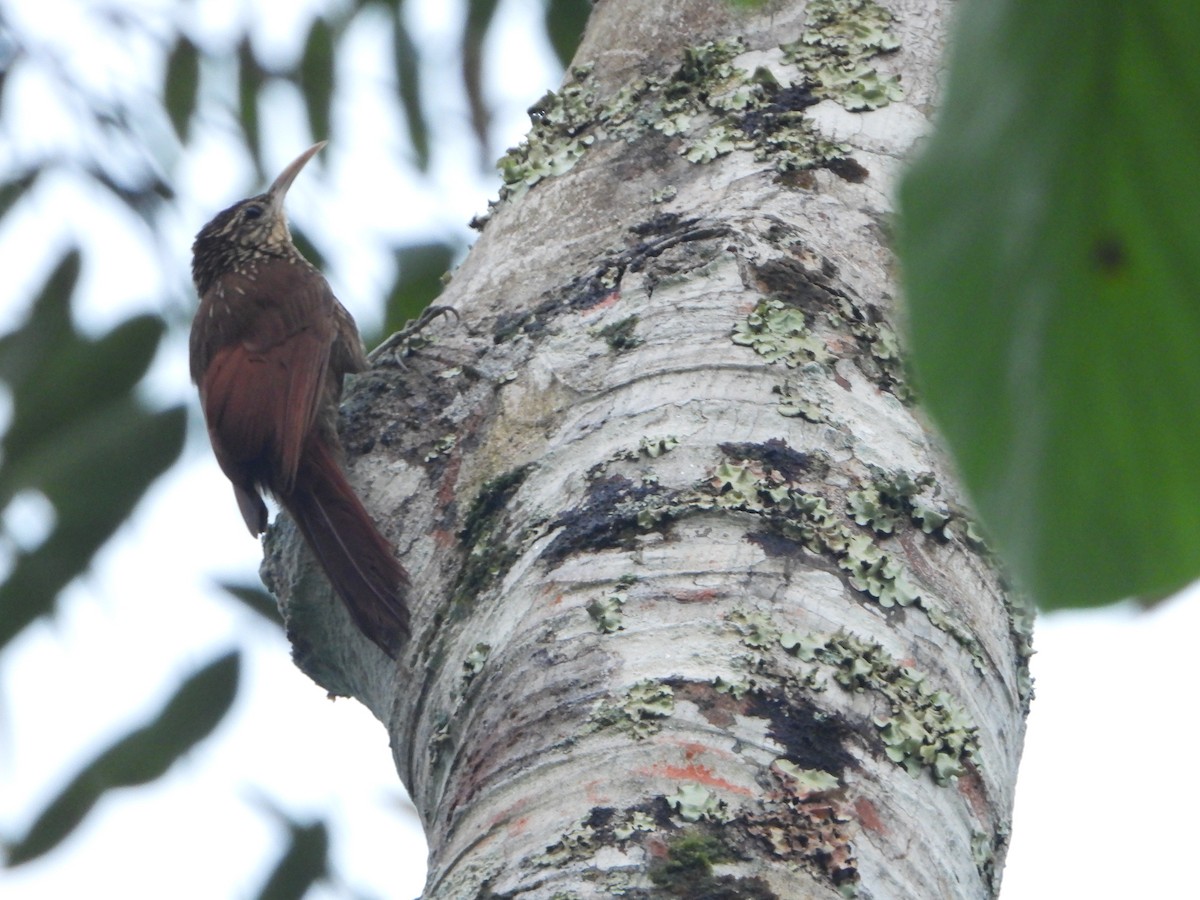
[[694, 772], [704, 596], [595, 796], [445, 493], [970, 785], [868, 816], [609, 300], [517, 826]]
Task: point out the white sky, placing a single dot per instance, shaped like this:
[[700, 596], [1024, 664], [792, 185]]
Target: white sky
[[1107, 741]]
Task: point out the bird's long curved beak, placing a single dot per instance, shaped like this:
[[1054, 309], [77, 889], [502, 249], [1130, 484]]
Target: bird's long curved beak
[[281, 184]]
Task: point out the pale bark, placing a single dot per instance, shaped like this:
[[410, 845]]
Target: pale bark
[[686, 620]]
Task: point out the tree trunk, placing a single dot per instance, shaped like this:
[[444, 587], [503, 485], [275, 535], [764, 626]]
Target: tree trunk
[[697, 612]]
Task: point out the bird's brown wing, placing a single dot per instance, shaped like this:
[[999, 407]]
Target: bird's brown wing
[[267, 361]]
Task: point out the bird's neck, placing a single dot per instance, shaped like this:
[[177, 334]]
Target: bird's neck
[[212, 263]]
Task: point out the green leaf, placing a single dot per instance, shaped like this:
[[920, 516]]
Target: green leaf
[[565, 21], [183, 83], [77, 377], [49, 324], [250, 81], [255, 598], [419, 282], [303, 864], [78, 437], [1049, 242], [142, 755], [13, 190], [408, 81], [93, 474], [475, 31], [316, 77]]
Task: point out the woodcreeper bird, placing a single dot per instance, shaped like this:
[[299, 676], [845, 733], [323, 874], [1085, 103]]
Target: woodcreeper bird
[[270, 346]]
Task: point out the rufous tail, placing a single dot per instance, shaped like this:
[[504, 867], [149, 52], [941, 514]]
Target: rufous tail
[[358, 560]]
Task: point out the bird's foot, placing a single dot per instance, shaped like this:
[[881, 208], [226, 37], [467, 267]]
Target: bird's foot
[[398, 345]]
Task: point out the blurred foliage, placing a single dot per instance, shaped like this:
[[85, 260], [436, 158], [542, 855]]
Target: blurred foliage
[[420, 280], [142, 755], [1046, 237], [80, 445], [303, 863], [77, 439]]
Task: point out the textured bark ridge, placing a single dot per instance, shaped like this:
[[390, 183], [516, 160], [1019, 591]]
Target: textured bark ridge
[[696, 609]]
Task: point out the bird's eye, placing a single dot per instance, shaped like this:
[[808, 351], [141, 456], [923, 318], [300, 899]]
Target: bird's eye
[[252, 212]]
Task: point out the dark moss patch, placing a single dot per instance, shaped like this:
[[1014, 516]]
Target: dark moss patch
[[607, 518], [775, 545], [490, 551], [789, 280], [781, 111], [661, 224], [509, 325], [776, 454], [812, 738], [620, 336], [847, 169], [600, 817], [687, 871]]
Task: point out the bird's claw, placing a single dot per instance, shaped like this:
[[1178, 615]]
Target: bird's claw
[[397, 345]]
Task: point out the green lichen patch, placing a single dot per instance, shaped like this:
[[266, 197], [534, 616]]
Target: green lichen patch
[[681, 860], [756, 629], [778, 458], [473, 664], [799, 515], [694, 803], [806, 781], [601, 828], [806, 517], [708, 106], [639, 712], [580, 842], [987, 850], [840, 40], [772, 122], [736, 689], [648, 448], [795, 404], [556, 141], [779, 333], [923, 728], [928, 518], [625, 827], [656, 447], [888, 503], [882, 575], [663, 195], [828, 306], [606, 611], [894, 499], [443, 446]]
